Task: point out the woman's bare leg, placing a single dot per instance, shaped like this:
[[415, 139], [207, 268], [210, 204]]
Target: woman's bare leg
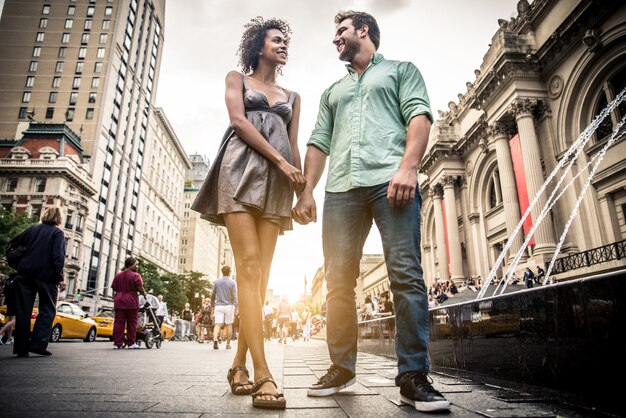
[[248, 235]]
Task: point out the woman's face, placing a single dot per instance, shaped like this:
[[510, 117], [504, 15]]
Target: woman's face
[[275, 47]]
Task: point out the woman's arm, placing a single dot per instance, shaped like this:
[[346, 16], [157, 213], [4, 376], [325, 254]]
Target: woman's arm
[[292, 131], [249, 134]]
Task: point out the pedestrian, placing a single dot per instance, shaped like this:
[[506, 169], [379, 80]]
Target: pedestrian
[[529, 277], [161, 312], [250, 187], [204, 322], [9, 291], [126, 284], [224, 300], [374, 124], [268, 316], [306, 324], [284, 319], [187, 318], [40, 273]]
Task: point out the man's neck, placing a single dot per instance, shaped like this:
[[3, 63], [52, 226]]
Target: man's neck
[[362, 60]]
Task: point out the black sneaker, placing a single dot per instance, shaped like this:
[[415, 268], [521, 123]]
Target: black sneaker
[[215, 346], [416, 390], [335, 379]]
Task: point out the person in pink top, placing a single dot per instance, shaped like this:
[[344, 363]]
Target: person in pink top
[[126, 284]]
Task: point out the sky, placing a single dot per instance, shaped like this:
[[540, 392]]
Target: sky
[[445, 39]]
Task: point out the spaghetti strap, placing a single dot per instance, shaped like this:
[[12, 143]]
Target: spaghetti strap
[[292, 98], [246, 85]]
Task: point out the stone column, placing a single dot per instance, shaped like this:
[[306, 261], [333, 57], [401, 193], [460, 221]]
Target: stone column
[[469, 248], [609, 217], [440, 233], [454, 238], [498, 135], [544, 234]]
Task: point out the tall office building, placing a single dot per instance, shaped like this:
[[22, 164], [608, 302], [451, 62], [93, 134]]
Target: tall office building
[[93, 65]]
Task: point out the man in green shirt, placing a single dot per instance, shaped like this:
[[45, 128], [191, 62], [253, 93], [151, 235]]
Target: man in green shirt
[[374, 125]]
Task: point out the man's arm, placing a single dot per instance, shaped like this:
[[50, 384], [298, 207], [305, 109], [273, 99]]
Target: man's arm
[[305, 210], [401, 191]]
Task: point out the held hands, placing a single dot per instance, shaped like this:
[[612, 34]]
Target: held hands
[[294, 175], [401, 191], [305, 210]]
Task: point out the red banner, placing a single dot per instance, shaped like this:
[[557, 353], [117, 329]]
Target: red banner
[[520, 182]]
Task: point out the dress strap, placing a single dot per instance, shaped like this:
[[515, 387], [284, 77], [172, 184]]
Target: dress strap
[[292, 97], [246, 85]]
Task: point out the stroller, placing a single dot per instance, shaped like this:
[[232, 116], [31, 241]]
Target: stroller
[[148, 326]]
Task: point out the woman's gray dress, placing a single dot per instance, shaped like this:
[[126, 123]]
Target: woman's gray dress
[[242, 180]]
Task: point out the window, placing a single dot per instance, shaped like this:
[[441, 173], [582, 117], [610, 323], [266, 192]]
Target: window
[[30, 80], [610, 89], [73, 97], [26, 97], [22, 113], [69, 23], [100, 53], [84, 39], [33, 66], [40, 37], [11, 184], [90, 11], [69, 114], [62, 52], [103, 38], [37, 51], [46, 9], [95, 82], [82, 52], [43, 23], [89, 114], [49, 113], [71, 10], [108, 11], [56, 81], [79, 67], [59, 67], [35, 211], [65, 38], [76, 83], [97, 67], [75, 248], [53, 97], [40, 185], [92, 97], [106, 24], [88, 24]]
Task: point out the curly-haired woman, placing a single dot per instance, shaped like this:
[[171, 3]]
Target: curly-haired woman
[[250, 188]]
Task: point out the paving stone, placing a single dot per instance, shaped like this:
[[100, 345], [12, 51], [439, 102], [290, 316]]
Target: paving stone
[[297, 398]]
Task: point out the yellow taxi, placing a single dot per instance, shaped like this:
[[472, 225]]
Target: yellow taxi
[[69, 322], [104, 322]]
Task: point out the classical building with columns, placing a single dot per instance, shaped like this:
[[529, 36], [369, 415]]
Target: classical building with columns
[[547, 74]]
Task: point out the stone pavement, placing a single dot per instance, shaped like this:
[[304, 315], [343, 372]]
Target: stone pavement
[[187, 379]]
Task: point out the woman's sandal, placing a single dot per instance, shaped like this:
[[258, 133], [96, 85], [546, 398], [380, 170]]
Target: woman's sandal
[[236, 385], [279, 401]]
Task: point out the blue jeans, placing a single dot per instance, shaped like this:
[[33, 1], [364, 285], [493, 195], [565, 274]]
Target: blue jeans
[[347, 220]]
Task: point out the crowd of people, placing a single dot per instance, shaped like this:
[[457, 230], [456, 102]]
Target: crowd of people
[[375, 307]]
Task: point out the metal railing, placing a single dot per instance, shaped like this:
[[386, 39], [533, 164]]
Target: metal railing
[[609, 252], [378, 336]]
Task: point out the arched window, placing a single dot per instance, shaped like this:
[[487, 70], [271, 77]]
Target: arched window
[[610, 89], [493, 198]]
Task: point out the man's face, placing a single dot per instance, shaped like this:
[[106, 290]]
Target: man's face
[[347, 41]]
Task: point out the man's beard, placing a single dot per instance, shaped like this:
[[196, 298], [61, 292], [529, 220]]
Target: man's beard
[[350, 49]]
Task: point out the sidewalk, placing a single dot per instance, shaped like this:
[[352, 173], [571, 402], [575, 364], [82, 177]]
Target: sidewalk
[[187, 379]]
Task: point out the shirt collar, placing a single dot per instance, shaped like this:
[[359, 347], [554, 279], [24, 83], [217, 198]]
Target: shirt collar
[[375, 59]]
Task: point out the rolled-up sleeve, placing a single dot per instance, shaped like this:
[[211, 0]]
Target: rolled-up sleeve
[[322, 133], [412, 93]]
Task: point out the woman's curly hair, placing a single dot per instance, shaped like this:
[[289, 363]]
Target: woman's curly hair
[[253, 40]]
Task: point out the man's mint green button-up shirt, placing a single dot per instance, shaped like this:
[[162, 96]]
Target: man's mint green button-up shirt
[[362, 122]]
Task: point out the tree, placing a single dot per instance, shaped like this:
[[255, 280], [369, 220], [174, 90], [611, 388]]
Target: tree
[[194, 284], [11, 224], [152, 278], [174, 293]]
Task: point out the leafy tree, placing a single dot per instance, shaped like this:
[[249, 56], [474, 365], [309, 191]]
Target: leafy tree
[[174, 293], [152, 278], [11, 224], [194, 284]]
